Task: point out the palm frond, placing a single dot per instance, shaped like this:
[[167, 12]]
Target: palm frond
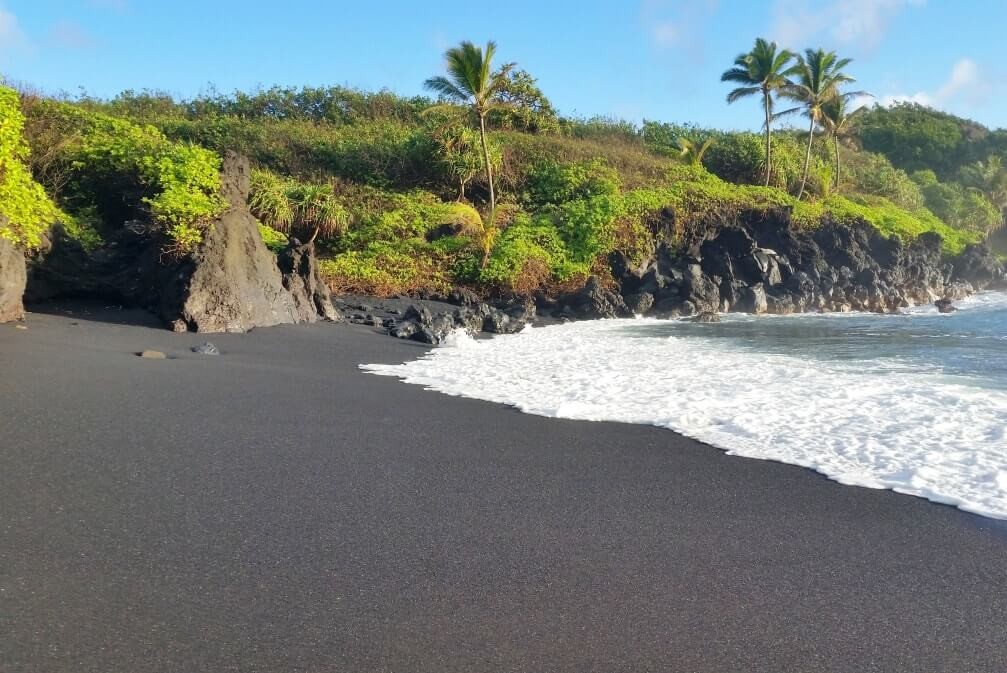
[[445, 88], [742, 92]]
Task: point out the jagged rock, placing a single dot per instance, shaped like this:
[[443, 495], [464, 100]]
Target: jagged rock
[[461, 296], [640, 303], [980, 267], [594, 301], [945, 305], [706, 317], [701, 291], [304, 282], [753, 300], [232, 282], [13, 277]]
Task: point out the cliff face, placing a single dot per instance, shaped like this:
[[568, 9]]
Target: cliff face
[[760, 262]]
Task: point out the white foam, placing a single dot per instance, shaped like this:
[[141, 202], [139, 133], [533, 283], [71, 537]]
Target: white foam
[[913, 431]]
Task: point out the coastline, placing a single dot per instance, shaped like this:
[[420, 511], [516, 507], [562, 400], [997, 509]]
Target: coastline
[[185, 520]]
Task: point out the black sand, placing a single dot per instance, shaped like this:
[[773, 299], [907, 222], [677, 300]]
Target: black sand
[[274, 509]]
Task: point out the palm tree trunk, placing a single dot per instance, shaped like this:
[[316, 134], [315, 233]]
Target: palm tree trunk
[[769, 138], [486, 158], [838, 165], [807, 159]]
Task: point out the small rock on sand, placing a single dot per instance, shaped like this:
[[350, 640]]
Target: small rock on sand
[[20, 327], [153, 355], [206, 349]]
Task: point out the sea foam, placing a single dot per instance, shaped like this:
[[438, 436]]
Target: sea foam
[[893, 423]]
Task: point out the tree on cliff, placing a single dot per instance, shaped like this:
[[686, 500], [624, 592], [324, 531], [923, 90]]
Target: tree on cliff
[[473, 82], [819, 74], [764, 70], [838, 121]]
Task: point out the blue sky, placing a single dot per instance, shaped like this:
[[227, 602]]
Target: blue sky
[[635, 59]]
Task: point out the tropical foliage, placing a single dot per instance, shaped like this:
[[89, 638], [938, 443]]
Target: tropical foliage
[[25, 209], [764, 71], [488, 187], [472, 81]]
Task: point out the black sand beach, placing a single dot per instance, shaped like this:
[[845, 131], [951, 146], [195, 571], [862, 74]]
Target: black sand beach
[[275, 509]]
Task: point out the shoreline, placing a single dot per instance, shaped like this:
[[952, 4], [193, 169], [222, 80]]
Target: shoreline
[[184, 520]]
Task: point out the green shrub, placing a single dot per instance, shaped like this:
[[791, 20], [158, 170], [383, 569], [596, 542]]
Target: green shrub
[[303, 210], [26, 211], [551, 183], [527, 255], [274, 240], [874, 174], [124, 171]]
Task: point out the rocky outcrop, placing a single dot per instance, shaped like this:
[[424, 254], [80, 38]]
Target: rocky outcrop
[[432, 320], [302, 279], [13, 277], [231, 283], [980, 267], [760, 262], [433, 327], [594, 301]]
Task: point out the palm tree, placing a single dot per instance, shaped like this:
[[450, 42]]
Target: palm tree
[[473, 82], [819, 74], [991, 176], [838, 121], [763, 70], [691, 151]]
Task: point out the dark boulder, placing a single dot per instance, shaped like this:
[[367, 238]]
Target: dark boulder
[[701, 291], [945, 306], [594, 301], [706, 317], [13, 276], [752, 299], [639, 304]]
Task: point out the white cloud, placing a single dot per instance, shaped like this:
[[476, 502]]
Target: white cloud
[[72, 35], [964, 83], [12, 37], [666, 33], [673, 23], [847, 22]]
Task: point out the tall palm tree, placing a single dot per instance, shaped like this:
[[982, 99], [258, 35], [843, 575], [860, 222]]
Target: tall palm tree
[[763, 70], [473, 82], [819, 74], [838, 121]]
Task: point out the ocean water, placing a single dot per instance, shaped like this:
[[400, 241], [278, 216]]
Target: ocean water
[[916, 402]]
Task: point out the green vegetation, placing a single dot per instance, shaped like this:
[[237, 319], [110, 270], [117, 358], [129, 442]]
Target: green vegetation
[[111, 170], [490, 188], [25, 209], [299, 209]]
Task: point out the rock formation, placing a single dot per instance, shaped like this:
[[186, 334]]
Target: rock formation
[[759, 262], [12, 281], [231, 282]]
